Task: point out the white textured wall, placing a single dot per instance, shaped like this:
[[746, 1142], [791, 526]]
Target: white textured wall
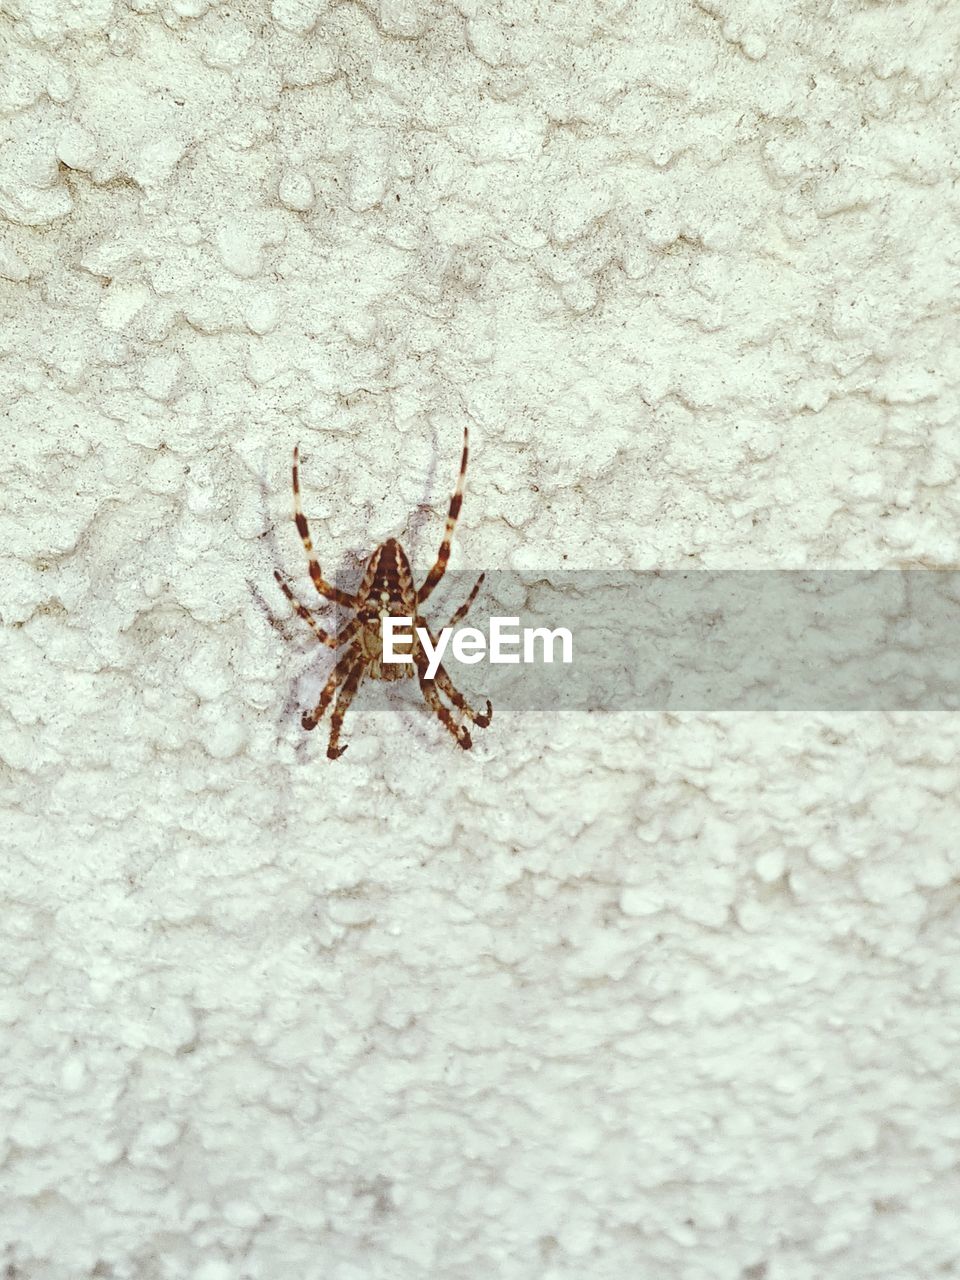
[[653, 996]]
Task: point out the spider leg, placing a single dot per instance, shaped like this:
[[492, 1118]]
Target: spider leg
[[340, 710], [446, 685], [344, 667], [443, 555], [301, 610], [432, 699], [465, 607], [300, 520]]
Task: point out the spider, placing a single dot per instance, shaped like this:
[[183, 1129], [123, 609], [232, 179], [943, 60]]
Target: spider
[[385, 589]]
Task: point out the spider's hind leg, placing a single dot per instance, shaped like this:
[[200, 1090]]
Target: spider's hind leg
[[480, 718], [344, 667], [445, 685], [340, 710], [432, 699]]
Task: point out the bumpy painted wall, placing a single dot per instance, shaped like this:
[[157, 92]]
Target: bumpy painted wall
[[666, 996]]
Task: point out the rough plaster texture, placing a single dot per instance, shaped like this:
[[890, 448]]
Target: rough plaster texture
[[667, 997]]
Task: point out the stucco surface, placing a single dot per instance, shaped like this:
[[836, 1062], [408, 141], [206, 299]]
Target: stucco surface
[[637, 994]]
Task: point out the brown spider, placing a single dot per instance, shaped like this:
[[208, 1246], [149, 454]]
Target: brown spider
[[386, 590]]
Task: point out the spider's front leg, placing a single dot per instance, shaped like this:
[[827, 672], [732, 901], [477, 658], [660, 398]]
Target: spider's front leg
[[443, 555], [300, 520]]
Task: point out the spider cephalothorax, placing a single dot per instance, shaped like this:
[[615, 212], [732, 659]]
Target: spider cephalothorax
[[385, 590]]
